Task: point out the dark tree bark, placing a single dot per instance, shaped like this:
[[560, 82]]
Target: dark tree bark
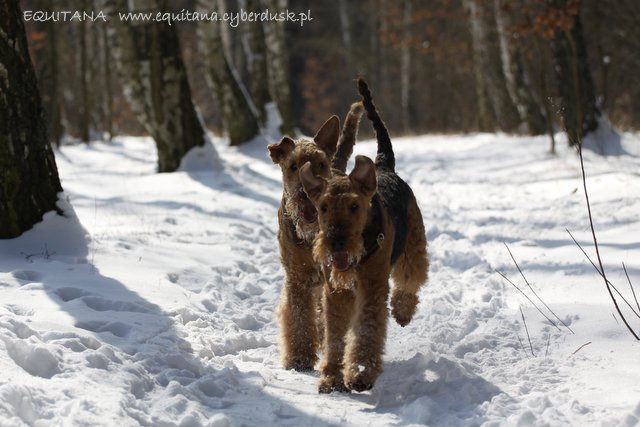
[[575, 85], [239, 115], [29, 182], [517, 79], [151, 70], [108, 99], [55, 122], [490, 81]]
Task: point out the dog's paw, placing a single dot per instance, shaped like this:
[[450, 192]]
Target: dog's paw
[[403, 307], [300, 364], [331, 384], [360, 382]]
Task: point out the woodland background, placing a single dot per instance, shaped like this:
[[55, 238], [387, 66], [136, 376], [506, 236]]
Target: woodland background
[[435, 65]]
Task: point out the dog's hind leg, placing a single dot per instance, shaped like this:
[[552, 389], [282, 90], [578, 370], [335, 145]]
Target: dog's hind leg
[[411, 269]]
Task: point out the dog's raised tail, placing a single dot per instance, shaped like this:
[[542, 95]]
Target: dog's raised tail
[[385, 156], [348, 137]]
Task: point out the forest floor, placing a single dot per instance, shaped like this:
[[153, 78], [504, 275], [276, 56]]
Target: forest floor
[[155, 305]]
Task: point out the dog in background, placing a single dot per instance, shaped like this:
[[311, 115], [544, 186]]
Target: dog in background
[[370, 228], [300, 302]]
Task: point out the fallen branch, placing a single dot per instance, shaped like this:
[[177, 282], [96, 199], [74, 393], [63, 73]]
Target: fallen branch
[[527, 331], [581, 347], [522, 346], [598, 270], [527, 297], [595, 242], [534, 292], [624, 267]]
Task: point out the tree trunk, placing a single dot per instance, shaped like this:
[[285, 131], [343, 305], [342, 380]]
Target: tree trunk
[[149, 62], [84, 89], [405, 65], [256, 57], [278, 64], [575, 85], [239, 115], [29, 182], [490, 83], [55, 123], [516, 76], [108, 116], [345, 32]]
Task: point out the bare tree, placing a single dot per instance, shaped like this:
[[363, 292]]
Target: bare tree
[[239, 115], [150, 66], [405, 64], [490, 84], [278, 64], [29, 183], [255, 51], [575, 85], [518, 82]]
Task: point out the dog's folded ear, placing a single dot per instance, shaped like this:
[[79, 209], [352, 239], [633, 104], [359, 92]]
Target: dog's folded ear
[[279, 151], [363, 176], [327, 136], [313, 185]]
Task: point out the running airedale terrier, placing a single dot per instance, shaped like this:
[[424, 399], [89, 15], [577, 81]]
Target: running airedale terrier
[[300, 302], [370, 228]]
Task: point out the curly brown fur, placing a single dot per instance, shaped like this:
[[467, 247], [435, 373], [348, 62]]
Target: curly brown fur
[[348, 138], [300, 302], [371, 201]]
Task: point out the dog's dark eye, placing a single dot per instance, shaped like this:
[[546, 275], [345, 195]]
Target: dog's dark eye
[[321, 166], [294, 167], [323, 208], [354, 207]]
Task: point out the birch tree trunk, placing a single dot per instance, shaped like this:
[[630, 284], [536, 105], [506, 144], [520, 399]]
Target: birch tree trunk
[[516, 76], [345, 32], [149, 62], [255, 51], [490, 83], [278, 64], [575, 85], [84, 70], [239, 115], [29, 182]]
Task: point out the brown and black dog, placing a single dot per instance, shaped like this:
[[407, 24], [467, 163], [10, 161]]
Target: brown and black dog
[[300, 302], [370, 229]]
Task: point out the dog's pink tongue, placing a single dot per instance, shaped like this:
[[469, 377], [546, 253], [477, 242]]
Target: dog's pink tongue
[[341, 261], [309, 213]]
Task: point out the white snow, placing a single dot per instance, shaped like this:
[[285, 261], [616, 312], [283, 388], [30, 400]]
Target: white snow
[[155, 304]]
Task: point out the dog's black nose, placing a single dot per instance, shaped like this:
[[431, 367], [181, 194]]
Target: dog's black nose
[[338, 243]]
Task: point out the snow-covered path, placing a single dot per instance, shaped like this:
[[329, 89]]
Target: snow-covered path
[[165, 314]]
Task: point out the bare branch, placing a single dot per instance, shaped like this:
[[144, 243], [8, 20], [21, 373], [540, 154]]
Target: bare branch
[[595, 242], [581, 347], [527, 297], [527, 331], [624, 267], [534, 292], [598, 270]]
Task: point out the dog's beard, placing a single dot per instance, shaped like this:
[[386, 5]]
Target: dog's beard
[[338, 280], [304, 230]]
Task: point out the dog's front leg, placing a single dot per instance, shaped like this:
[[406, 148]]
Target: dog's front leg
[[297, 315], [338, 309], [363, 360]]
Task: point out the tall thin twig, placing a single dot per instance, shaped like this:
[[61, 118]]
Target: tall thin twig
[[527, 331], [595, 242], [600, 273], [624, 267], [534, 292], [527, 297], [581, 347]]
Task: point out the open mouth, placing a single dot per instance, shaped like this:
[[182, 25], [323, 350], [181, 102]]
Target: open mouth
[[341, 261], [308, 213]]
